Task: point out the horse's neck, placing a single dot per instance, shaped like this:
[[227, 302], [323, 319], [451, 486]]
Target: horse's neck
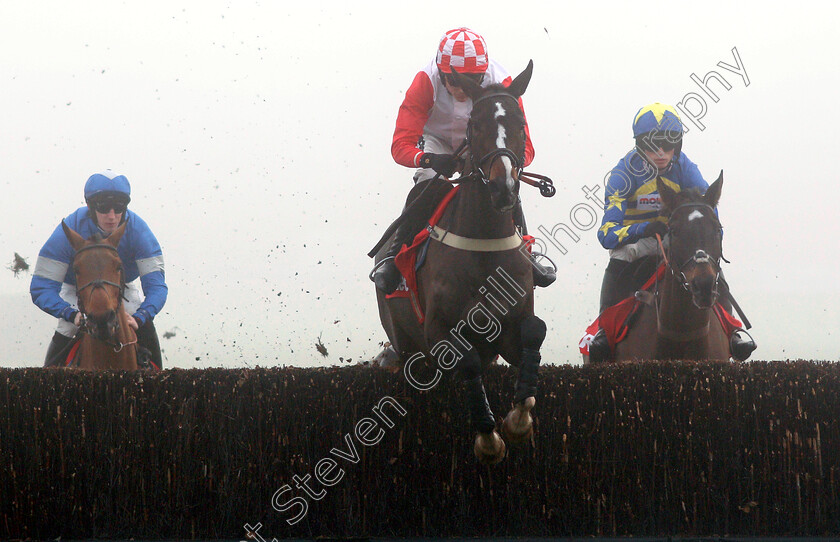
[[677, 311], [472, 215]]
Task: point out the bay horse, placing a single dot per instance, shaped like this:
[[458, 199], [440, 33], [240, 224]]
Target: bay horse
[[677, 320], [475, 288], [107, 342]]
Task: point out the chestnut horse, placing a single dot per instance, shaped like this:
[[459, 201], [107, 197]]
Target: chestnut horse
[[678, 320], [107, 342], [476, 286]]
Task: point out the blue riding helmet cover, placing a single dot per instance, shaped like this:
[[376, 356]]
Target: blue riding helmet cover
[[108, 183]]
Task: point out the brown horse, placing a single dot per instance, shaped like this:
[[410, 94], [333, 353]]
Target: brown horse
[[476, 286], [107, 342], [678, 320]]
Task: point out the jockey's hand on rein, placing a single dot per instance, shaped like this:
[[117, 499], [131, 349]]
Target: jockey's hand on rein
[[445, 164], [132, 322], [655, 227]]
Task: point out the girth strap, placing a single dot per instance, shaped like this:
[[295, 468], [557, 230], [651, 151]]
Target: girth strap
[[475, 245]]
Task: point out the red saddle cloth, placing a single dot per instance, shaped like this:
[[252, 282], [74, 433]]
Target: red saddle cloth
[[615, 320], [406, 259]]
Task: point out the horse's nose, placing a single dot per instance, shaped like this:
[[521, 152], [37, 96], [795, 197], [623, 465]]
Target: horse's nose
[[703, 290], [105, 320]]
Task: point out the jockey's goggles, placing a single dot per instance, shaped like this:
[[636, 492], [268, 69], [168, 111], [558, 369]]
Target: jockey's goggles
[[475, 77], [106, 205], [659, 142]]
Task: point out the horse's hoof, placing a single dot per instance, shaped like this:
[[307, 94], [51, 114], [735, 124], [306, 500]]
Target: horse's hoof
[[518, 426], [489, 448]]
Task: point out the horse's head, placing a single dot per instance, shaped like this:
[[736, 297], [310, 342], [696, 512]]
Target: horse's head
[[99, 281], [694, 233], [496, 135]]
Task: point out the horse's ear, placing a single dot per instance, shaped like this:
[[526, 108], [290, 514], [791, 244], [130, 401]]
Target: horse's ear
[[76, 240], [518, 86], [114, 238], [712, 195], [470, 87], [667, 195]]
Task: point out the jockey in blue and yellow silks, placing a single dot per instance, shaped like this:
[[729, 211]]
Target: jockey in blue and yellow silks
[[631, 201], [631, 206]]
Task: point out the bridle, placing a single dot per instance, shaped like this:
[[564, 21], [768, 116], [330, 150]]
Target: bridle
[[100, 283], [544, 183], [700, 256], [478, 171]]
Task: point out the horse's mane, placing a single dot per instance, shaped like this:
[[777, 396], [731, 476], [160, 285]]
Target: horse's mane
[[97, 238]]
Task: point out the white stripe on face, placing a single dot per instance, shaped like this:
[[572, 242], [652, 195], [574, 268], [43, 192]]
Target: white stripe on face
[[501, 144], [695, 214], [500, 111]]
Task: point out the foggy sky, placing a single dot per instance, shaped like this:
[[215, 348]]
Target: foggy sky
[[257, 139]]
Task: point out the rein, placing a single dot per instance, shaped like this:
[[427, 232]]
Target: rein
[[544, 183]]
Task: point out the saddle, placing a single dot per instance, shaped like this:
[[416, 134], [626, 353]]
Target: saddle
[[618, 319]]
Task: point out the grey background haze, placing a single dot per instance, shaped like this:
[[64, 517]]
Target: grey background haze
[[257, 139]]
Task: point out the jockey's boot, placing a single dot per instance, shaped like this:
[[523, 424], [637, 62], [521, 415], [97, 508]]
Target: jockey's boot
[[599, 348], [481, 416], [147, 339], [387, 276], [419, 206], [739, 347], [543, 276], [56, 349]]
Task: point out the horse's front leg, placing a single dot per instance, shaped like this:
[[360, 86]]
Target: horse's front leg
[[489, 446], [519, 425]]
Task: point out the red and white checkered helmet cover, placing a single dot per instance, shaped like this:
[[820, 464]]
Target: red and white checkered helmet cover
[[463, 49]]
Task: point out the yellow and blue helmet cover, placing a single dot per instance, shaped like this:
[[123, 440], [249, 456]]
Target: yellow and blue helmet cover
[[656, 117]]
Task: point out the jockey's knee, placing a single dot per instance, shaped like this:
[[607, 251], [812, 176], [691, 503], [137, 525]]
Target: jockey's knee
[[533, 331]]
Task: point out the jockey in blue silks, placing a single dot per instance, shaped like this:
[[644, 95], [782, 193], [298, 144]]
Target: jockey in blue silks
[[631, 211], [53, 286]]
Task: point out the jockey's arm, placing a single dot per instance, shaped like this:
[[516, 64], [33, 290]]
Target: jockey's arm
[[50, 272], [149, 260], [411, 118], [155, 292], [613, 233]]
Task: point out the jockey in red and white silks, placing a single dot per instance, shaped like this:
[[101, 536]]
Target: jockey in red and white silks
[[431, 112], [431, 125]]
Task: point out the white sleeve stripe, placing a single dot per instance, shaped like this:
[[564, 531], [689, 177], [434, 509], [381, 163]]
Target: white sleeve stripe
[[150, 265], [51, 269]]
